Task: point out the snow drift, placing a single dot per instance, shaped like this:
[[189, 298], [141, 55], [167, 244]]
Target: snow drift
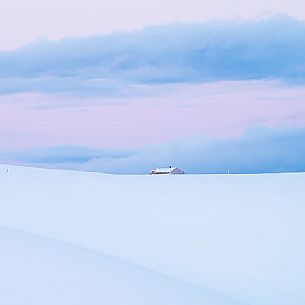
[[193, 239]]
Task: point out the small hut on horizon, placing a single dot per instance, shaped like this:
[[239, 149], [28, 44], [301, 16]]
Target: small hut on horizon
[[167, 171]]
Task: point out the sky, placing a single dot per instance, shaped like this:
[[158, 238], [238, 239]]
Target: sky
[[115, 86], [26, 21]]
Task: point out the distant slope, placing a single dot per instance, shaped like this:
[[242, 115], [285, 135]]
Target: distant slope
[[241, 236], [37, 271]]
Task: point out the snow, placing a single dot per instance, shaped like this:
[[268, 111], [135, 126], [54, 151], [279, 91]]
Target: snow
[[89, 238], [36, 270]]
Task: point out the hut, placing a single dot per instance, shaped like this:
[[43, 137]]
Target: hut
[[167, 171]]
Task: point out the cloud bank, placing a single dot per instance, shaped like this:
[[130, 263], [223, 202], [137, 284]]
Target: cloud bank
[[258, 150], [57, 19], [175, 53]]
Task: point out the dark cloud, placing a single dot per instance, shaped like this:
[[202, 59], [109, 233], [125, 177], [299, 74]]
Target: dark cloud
[[260, 150], [175, 53]]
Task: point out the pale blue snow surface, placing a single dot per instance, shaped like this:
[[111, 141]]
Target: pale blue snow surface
[[39, 270], [240, 236]]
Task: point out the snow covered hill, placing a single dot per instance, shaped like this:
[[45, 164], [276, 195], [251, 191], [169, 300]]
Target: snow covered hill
[[89, 238], [36, 270]]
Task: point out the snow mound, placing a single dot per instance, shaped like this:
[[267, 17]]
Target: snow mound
[[36, 270]]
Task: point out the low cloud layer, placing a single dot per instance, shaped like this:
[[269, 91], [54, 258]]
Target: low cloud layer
[[175, 53], [259, 150]]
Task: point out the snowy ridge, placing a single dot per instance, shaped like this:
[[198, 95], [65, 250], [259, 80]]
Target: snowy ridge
[[53, 272], [240, 236]]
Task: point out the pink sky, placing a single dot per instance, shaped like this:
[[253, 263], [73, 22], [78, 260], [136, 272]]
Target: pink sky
[[222, 109], [25, 21]]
